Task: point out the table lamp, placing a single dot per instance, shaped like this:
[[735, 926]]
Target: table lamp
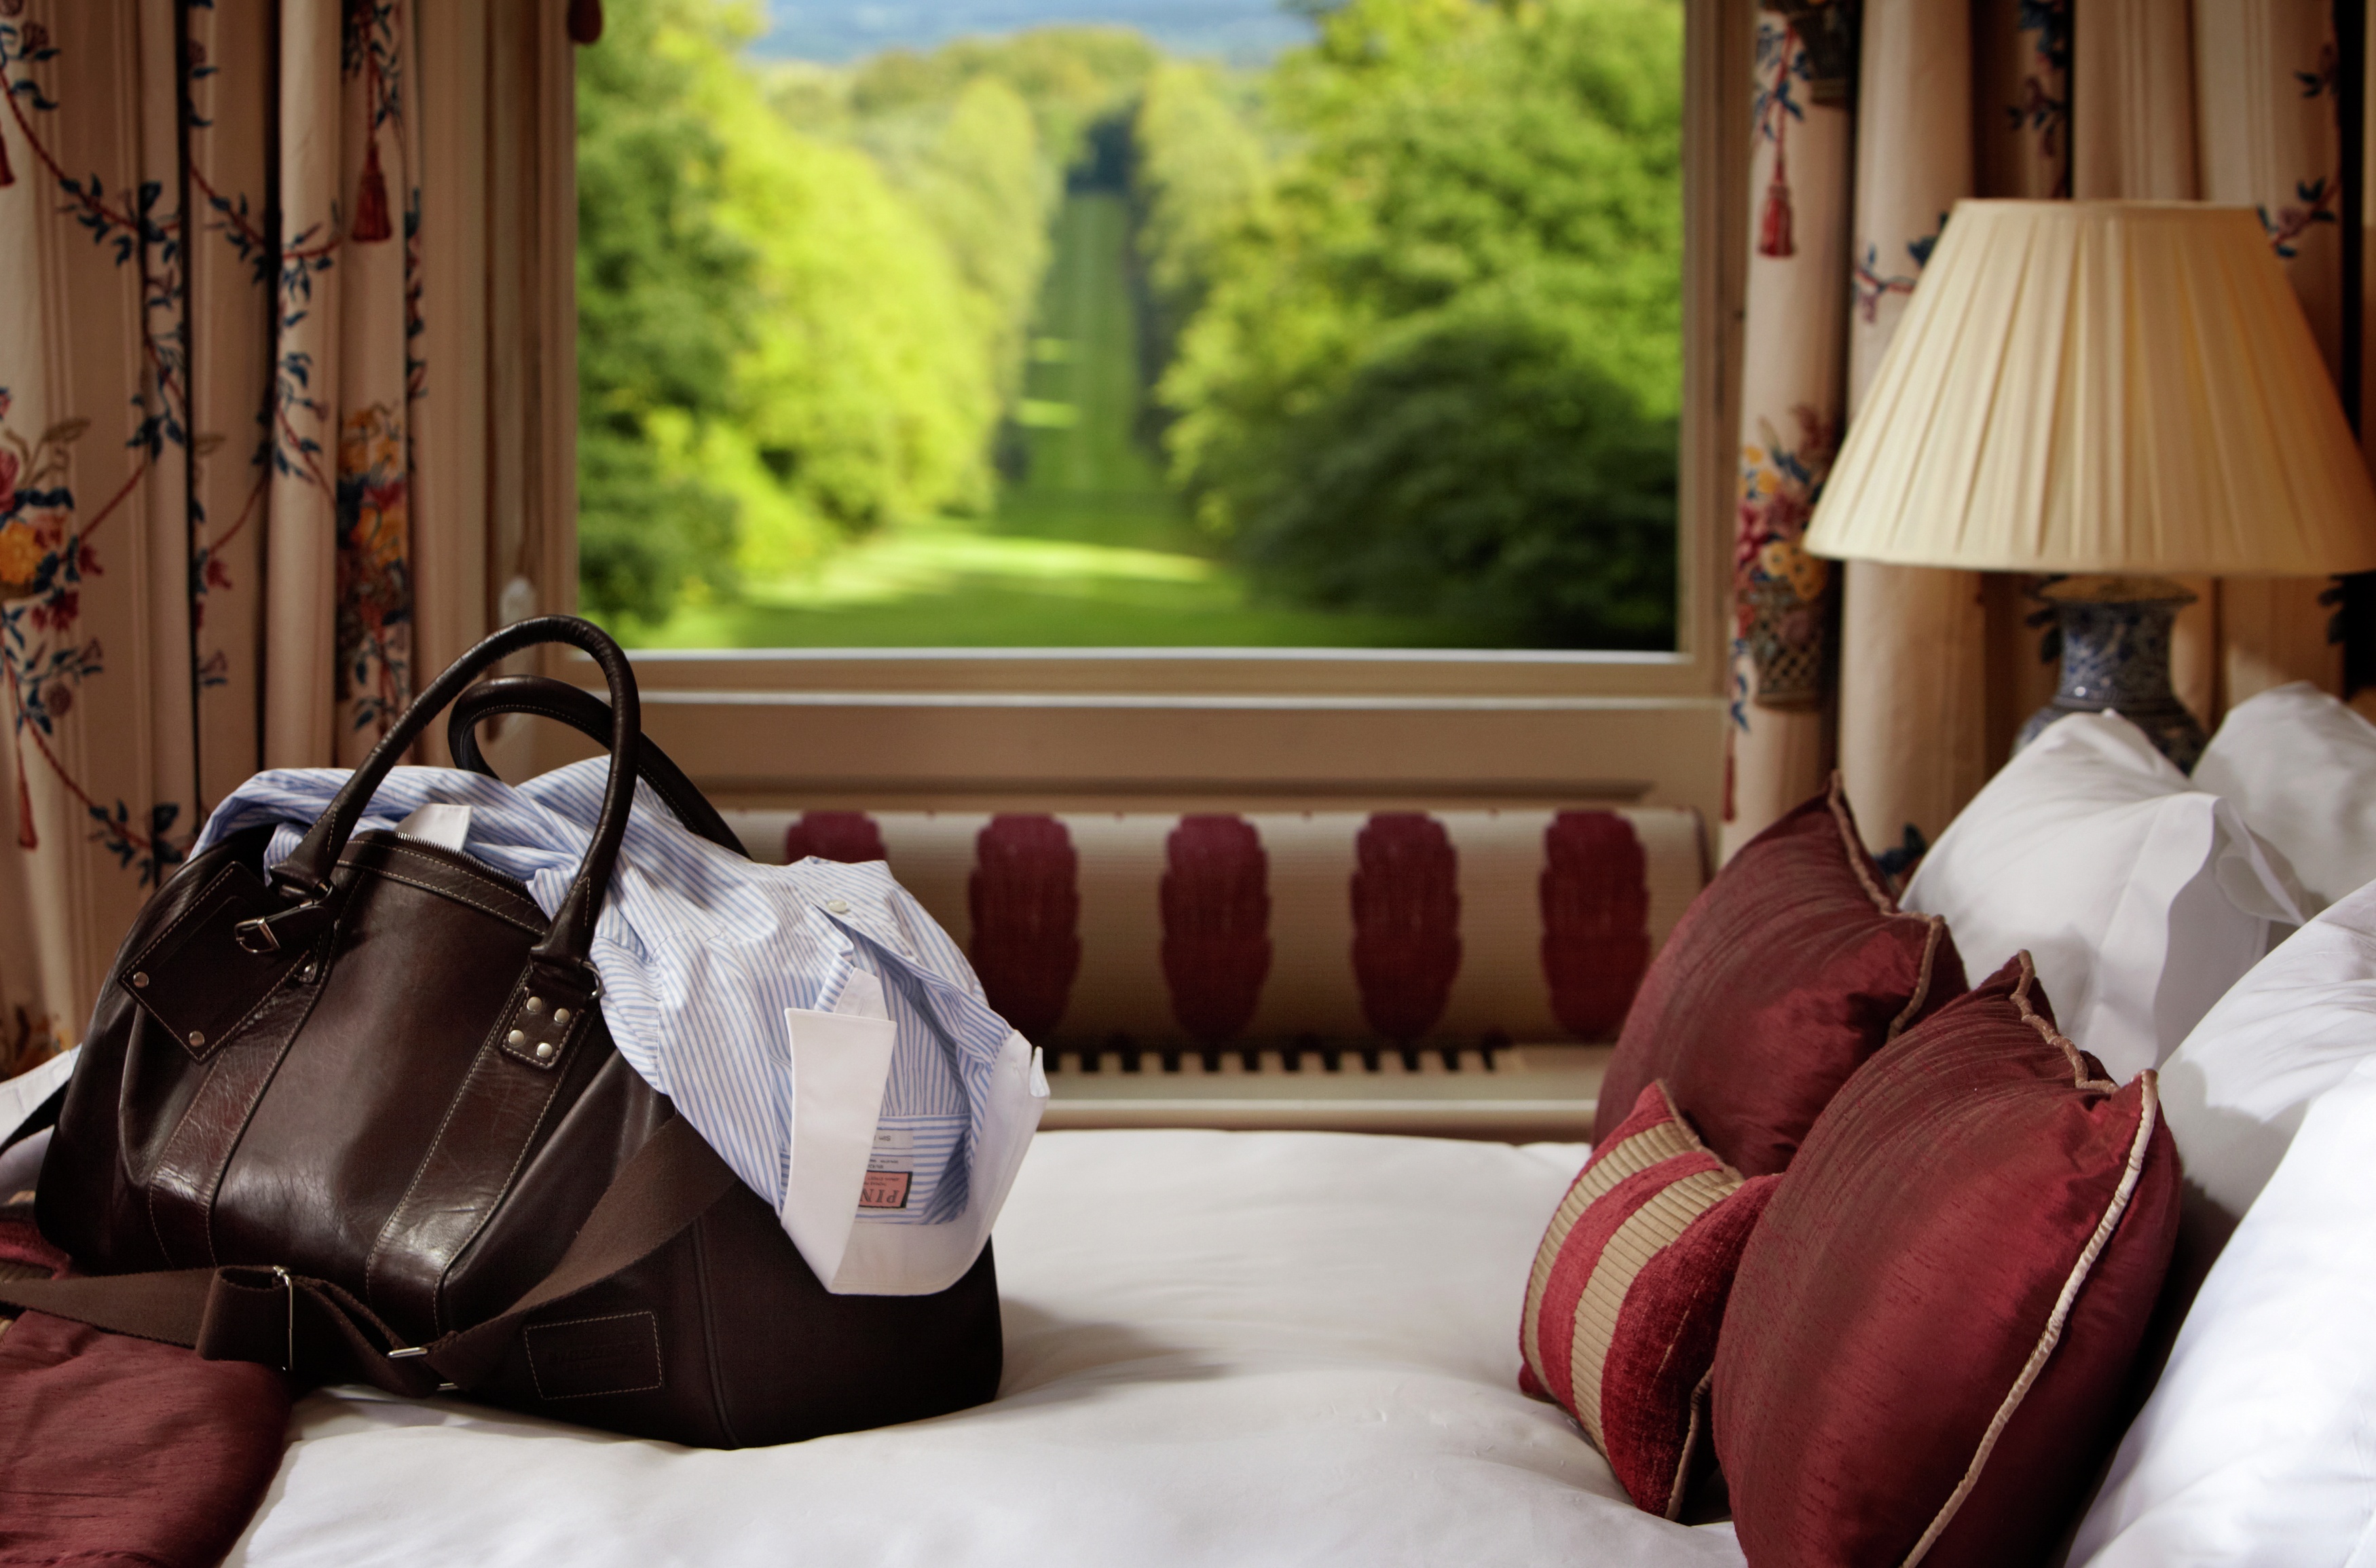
[[2125, 391]]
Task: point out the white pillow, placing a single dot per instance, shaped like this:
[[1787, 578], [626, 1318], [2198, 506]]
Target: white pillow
[[2237, 1088], [2259, 1442], [2140, 898], [2303, 766]]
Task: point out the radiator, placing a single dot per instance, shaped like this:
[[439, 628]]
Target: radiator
[[1452, 973]]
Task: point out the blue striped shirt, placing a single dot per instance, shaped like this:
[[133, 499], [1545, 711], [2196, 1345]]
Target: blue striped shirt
[[700, 951]]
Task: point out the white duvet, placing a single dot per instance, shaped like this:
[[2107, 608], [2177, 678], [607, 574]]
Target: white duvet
[[1222, 1348]]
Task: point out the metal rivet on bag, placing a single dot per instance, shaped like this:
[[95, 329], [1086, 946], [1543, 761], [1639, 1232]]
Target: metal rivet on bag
[[517, 1036], [536, 1004], [561, 1017], [140, 980], [198, 1037], [544, 1050], [838, 905]]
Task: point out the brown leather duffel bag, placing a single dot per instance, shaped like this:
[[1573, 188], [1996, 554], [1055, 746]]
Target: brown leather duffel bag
[[360, 1118]]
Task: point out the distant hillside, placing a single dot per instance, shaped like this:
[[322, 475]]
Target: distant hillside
[[1243, 32]]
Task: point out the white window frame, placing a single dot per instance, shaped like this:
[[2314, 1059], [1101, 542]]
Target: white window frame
[[1249, 729]]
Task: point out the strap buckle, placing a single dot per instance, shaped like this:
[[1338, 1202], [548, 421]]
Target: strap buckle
[[408, 1351], [260, 936]]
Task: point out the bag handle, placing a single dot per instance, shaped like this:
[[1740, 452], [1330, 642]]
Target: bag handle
[[304, 879], [590, 716]]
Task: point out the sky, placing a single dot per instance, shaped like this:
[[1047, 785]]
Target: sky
[[1243, 31]]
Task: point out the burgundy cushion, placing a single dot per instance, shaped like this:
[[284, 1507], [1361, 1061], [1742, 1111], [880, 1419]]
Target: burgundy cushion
[[1628, 1292], [1786, 972], [1929, 1330], [118, 1453]]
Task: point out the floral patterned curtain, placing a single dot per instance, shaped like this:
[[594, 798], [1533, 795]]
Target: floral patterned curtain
[[216, 334], [2214, 99]]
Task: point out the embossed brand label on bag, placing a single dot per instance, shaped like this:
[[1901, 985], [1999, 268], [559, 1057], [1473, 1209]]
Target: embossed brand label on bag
[[618, 1354]]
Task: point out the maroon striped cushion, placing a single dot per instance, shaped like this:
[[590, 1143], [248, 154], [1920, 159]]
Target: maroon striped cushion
[[1628, 1292]]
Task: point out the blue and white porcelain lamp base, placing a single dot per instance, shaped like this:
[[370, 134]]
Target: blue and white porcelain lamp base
[[2116, 655]]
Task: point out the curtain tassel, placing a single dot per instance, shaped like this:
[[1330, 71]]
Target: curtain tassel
[[585, 20], [1774, 237], [8, 175], [26, 837], [371, 202]]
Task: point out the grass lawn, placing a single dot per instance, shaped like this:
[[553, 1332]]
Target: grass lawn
[[1090, 549]]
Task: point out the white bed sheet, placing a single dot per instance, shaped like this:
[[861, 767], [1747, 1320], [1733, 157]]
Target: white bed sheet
[[1222, 1348]]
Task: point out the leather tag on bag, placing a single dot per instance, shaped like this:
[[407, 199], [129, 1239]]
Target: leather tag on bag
[[194, 979], [584, 1357]]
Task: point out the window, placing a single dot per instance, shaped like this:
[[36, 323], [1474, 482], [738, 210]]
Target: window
[[1230, 491]]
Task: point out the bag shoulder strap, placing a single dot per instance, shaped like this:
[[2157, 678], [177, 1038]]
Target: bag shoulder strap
[[315, 1326]]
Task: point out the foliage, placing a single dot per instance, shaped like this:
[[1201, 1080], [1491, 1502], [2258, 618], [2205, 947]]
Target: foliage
[[805, 295], [1071, 76], [1437, 361], [1412, 295], [664, 292], [1479, 462], [1202, 173], [866, 393]]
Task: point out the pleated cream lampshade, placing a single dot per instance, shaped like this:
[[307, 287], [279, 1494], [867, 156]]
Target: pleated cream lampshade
[[2102, 387]]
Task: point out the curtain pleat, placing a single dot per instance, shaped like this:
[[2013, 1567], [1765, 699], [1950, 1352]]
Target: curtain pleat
[[1791, 389], [1913, 639], [225, 383], [2265, 135], [2230, 100]]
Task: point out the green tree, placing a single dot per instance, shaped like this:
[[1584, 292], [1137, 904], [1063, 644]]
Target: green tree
[[867, 391], [664, 293], [1202, 175], [1071, 76], [975, 170], [1475, 199]]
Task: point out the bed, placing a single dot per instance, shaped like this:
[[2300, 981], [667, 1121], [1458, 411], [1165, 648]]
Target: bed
[[1221, 1348], [1266, 1345]]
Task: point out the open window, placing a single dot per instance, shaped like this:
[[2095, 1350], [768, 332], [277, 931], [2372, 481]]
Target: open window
[[1149, 416]]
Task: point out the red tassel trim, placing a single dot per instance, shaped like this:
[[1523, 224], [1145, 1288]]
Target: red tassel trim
[[585, 20], [8, 175], [371, 202], [1774, 236]]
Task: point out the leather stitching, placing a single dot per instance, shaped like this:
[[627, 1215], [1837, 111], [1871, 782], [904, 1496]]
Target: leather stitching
[[519, 1158], [388, 1231], [154, 1010], [459, 865], [489, 1047], [221, 1158], [404, 1205], [582, 1006], [651, 1318], [506, 917], [183, 918]]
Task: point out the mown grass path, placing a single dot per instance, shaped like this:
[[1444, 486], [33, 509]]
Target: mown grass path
[[1088, 549]]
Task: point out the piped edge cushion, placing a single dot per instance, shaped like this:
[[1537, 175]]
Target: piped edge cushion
[[1786, 973], [1929, 1331]]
